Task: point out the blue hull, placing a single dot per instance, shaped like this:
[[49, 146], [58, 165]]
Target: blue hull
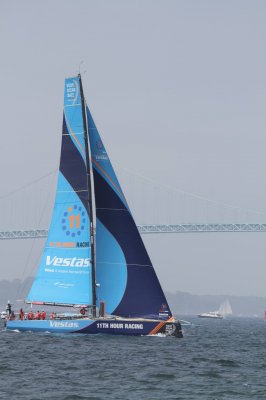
[[87, 326]]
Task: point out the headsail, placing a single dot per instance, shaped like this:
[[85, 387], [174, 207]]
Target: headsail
[[65, 271], [128, 283]]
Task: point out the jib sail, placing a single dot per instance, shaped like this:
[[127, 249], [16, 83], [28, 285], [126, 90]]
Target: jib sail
[[127, 281]]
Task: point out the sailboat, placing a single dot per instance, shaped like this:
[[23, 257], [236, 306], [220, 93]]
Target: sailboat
[[94, 259], [224, 309]]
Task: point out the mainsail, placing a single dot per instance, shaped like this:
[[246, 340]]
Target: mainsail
[[65, 271], [127, 281]]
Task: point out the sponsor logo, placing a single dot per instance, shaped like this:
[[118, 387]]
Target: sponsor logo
[[83, 244], [63, 244], [67, 262], [118, 325], [164, 312], [73, 221], [163, 309], [63, 324], [100, 151], [69, 244], [72, 91], [100, 145], [63, 285], [101, 157]]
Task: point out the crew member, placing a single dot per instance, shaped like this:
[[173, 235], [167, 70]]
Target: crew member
[[12, 316], [8, 308], [30, 315], [21, 314], [82, 311], [43, 314], [38, 315]]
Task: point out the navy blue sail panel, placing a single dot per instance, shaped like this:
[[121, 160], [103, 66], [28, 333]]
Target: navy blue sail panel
[[64, 274], [128, 283]]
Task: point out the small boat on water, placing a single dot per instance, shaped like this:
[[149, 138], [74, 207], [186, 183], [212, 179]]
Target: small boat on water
[[94, 260], [225, 309], [211, 314]]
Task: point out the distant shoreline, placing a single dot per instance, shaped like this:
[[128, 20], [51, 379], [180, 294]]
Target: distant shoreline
[[190, 304], [181, 303]]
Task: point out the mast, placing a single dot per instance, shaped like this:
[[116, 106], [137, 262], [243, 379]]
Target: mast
[[90, 198]]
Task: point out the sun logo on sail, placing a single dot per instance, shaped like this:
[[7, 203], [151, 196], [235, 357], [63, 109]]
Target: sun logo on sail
[[163, 309], [73, 221]]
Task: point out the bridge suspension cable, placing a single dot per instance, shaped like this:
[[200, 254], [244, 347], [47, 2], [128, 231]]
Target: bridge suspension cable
[[158, 206]]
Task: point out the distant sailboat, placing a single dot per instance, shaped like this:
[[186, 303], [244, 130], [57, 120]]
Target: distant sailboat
[[224, 309], [94, 259]]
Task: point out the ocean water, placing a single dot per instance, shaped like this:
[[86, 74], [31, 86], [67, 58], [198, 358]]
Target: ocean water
[[216, 359]]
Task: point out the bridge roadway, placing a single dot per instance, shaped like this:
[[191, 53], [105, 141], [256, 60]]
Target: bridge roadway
[[148, 229]]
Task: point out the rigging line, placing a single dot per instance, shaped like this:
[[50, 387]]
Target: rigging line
[[191, 194], [125, 263], [27, 185], [72, 191], [67, 134]]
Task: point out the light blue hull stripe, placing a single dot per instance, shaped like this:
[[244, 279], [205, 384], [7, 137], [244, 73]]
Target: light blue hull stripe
[[58, 326]]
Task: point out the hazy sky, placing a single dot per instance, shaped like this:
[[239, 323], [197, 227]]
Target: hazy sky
[[178, 92]]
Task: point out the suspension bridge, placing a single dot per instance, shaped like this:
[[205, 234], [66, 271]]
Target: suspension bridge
[[28, 210]]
